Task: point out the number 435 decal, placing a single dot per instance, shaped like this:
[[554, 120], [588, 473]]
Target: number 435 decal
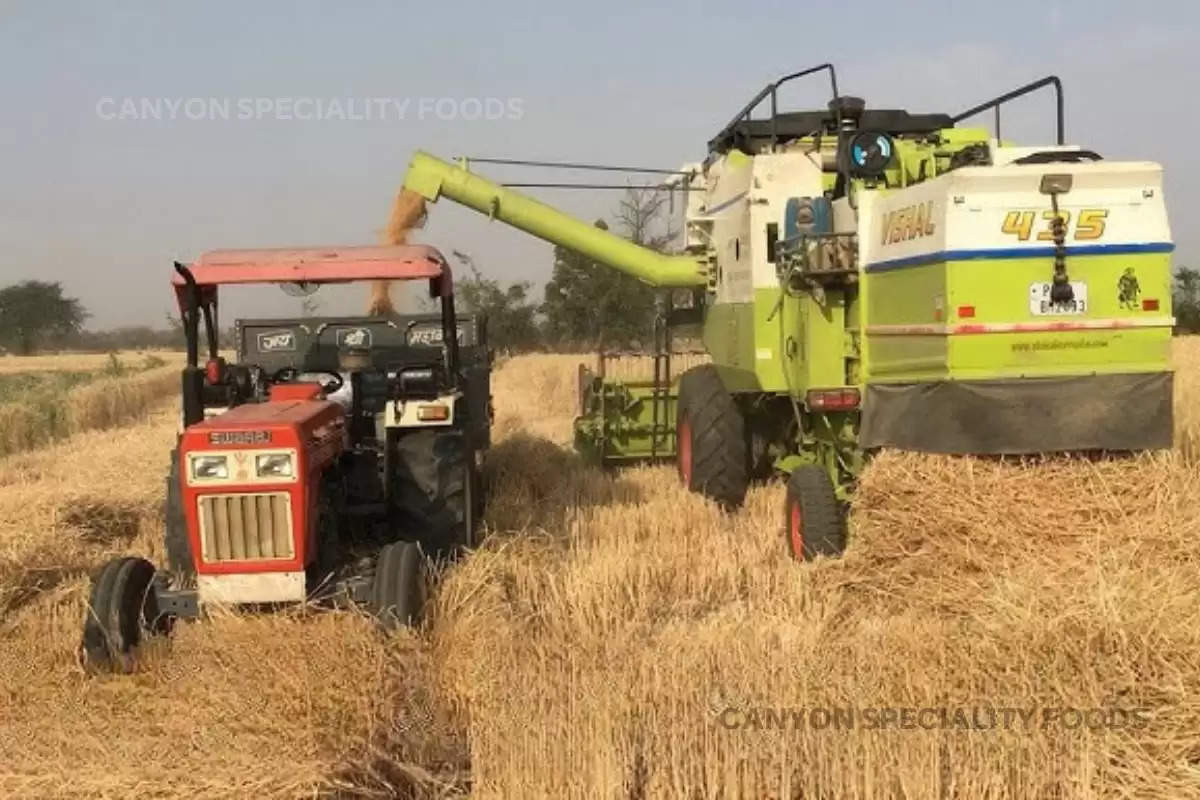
[[1089, 225]]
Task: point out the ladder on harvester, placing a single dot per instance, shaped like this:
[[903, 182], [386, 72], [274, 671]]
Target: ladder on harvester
[[660, 429]]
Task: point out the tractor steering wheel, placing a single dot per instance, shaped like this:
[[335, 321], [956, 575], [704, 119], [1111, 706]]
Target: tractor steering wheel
[[289, 374]]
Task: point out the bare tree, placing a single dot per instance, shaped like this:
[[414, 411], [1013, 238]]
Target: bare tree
[[642, 219]]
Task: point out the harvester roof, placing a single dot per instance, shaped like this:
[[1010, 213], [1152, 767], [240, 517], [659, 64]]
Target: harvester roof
[[313, 265]]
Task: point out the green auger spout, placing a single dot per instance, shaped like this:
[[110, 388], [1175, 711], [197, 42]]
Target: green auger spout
[[433, 178]]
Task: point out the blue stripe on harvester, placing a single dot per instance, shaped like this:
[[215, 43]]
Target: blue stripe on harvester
[[1017, 252]]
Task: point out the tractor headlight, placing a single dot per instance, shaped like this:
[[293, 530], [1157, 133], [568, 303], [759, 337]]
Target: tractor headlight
[[210, 467], [274, 465]]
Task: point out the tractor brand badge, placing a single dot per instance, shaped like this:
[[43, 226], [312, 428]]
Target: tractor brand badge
[[239, 437], [353, 337], [431, 335], [911, 222], [426, 335], [1128, 290], [276, 342]]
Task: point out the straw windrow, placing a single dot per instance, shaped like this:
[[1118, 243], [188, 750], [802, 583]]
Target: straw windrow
[[618, 637]]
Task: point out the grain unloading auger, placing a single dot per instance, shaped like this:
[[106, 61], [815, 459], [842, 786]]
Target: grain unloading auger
[[874, 278]]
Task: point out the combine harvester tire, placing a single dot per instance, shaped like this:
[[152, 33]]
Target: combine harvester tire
[[812, 515], [712, 454]]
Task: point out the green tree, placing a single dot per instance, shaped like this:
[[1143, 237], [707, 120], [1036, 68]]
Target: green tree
[[511, 314], [36, 313], [1186, 300], [590, 304]]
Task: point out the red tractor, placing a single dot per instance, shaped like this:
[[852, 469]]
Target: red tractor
[[330, 461]]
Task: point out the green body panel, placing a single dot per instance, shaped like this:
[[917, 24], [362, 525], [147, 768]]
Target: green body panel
[[730, 337], [433, 178], [780, 343], [906, 297], [998, 292]]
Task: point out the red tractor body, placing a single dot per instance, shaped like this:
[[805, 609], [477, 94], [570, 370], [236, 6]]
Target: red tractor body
[[326, 463], [251, 481]]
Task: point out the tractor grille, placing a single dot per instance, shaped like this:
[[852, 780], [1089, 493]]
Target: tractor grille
[[242, 527]]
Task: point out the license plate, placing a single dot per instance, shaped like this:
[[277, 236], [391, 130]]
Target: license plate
[[1039, 299]]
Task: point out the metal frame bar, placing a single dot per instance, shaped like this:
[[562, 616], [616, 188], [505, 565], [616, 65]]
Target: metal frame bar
[[772, 89], [996, 102]]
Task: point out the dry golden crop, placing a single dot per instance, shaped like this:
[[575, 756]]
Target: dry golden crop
[[72, 362], [96, 404], [618, 637]]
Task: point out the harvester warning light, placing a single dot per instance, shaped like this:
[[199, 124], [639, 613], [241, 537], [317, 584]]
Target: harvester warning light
[[870, 153]]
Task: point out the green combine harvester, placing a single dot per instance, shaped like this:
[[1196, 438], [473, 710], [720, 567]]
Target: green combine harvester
[[870, 278]]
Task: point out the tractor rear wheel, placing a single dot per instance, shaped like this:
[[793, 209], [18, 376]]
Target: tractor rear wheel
[[122, 610], [812, 515], [433, 485], [400, 586], [712, 455], [175, 535]]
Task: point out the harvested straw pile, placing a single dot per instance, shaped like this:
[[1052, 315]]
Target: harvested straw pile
[[635, 641], [408, 212], [618, 637]]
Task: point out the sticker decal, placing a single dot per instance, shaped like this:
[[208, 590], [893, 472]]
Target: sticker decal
[[277, 342], [430, 334], [239, 437], [353, 337], [1089, 226], [1128, 290]]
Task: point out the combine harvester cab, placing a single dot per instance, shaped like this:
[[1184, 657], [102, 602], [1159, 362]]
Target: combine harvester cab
[[869, 278], [327, 464], [966, 348]]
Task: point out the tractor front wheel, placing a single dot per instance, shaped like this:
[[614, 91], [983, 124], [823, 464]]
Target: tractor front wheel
[[812, 515], [400, 586], [710, 440], [122, 610]]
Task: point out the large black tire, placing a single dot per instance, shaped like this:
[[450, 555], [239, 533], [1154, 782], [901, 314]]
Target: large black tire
[[400, 586], [122, 610], [712, 454], [175, 534], [433, 484], [812, 516]]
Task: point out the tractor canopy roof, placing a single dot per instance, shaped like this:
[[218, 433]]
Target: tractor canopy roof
[[316, 265]]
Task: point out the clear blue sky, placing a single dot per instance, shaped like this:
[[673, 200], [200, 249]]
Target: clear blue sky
[[104, 205]]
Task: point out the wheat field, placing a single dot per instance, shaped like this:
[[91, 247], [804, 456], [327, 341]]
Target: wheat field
[[617, 637]]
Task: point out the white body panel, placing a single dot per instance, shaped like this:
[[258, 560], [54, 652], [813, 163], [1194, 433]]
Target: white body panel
[[257, 587], [738, 199], [964, 211], [403, 413]]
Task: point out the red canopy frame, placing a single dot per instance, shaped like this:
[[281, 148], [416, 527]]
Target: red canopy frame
[[196, 291], [338, 264]]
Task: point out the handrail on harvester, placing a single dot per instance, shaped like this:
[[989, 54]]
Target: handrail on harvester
[[996, 102], [433, 178]]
